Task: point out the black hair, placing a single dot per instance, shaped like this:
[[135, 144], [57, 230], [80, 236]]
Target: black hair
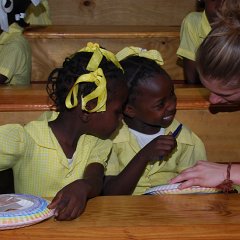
[[137, 71], [19, 6], [62, 79]]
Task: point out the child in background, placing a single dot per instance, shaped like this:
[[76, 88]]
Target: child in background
[[15, 51], [195, 27], [144, 149], [39, 15], [64, 154]]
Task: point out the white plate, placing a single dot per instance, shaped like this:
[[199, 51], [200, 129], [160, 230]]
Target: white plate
[[20, 210], [173, 189]]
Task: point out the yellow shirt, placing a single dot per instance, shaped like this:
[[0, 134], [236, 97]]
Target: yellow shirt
[[195, 27], [15, 56], [38, 15], [39, 164], [189, 150]]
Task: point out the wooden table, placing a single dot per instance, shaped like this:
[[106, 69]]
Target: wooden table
[[210, 216]]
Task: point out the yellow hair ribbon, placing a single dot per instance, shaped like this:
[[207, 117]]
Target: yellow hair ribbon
[[100, 92], [97, 56], [136, 51]]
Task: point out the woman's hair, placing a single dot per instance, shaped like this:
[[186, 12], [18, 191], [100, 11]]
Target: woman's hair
[[62, 79], [218, 57], [137, 71]]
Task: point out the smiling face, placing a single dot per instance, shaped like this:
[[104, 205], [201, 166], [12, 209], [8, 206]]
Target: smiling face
[[154, 105], [222, 94]]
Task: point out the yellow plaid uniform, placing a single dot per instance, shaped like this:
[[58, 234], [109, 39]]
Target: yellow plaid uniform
[[15, 56], [39, 164], [38, 15], [189, 150], [195, 27]]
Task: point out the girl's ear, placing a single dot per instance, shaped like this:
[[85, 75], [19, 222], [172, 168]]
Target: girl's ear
[[85, 116], [129, 111]]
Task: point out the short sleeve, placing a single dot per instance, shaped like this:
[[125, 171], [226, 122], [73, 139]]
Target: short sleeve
[[100, 152], [12, 60], [189, 38], [12, 145]]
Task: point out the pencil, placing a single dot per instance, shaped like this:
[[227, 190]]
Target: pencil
[[174, 134]]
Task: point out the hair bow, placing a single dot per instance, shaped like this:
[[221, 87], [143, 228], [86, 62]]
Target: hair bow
[[100, 92], [5, 10], [97, 56], [141, 52]]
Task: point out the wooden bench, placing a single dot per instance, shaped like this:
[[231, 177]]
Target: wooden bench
[[220, 131], [52, 44], [120, 12]]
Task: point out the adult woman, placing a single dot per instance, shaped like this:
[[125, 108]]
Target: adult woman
[[218, 64]]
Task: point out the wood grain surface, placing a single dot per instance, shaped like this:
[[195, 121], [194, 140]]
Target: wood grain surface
[[199, 216]]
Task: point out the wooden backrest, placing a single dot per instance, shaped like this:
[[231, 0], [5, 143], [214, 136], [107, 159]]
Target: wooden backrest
[[23, 104], [120, 12], [52, 44]]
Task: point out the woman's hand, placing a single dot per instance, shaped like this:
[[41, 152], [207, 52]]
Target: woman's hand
[[204, 174]]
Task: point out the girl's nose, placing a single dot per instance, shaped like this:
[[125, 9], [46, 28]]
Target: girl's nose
[[216, 99]]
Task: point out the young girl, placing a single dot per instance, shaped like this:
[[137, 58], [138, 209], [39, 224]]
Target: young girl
[[15, 51], [144, 149], [62, 153], [195, 27], [39, 15], [218, 63]]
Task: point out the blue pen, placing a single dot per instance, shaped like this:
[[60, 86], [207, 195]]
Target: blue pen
[[174, 134], [177, 131]]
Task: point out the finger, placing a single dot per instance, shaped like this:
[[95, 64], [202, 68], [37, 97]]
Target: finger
[[189, 183], [70, 212], [55, 201], [62, 205]]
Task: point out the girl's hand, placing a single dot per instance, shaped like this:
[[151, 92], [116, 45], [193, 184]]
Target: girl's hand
[[204, 174], [158, 148], [70, 202]]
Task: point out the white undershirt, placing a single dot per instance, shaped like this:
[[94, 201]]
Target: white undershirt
[[143, 139]]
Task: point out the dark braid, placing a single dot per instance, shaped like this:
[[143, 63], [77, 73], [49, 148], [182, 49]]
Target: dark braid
[[138, 70], [62, 79]]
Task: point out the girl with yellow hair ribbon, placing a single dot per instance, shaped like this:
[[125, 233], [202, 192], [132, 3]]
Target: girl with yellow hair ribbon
[[63, 154], [145, 148]]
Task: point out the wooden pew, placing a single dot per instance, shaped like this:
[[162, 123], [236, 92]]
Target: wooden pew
[[219, 131], [52, 44], [120, 12]]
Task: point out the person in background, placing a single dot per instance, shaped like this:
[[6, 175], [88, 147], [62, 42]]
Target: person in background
[[195, 27], [63, 154], [39, 15], [15, 51], [218, 64], [144, 149]]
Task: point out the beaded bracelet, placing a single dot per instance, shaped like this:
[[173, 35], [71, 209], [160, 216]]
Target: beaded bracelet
[[227, 185]]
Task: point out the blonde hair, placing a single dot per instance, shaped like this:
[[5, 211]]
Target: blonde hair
[[218, 57]]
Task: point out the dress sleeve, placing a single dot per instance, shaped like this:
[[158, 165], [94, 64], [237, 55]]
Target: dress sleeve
[[11, 145], [188, 38], [100, 152]]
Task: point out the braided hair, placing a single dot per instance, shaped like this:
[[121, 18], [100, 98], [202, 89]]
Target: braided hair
[[62, 79], [137, 71]]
